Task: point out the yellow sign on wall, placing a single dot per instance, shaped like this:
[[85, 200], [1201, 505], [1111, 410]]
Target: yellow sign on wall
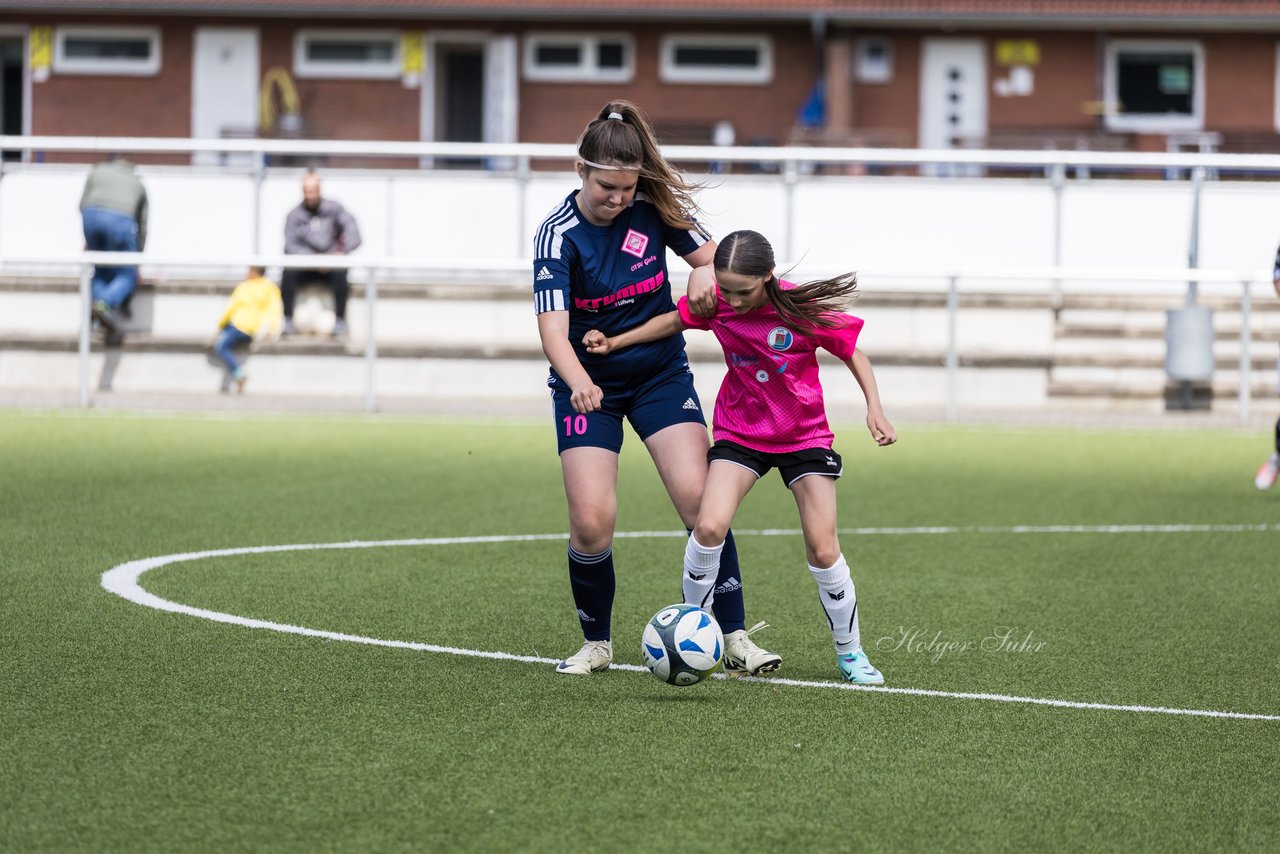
[[411, 53], [1017, 52], [41, 52], [412, 59]]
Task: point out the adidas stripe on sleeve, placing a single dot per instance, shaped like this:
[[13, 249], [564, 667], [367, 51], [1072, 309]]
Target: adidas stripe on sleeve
[[553, 257]]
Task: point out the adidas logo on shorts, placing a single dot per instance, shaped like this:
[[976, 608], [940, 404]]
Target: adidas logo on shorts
[[544, 274], [689, 404]]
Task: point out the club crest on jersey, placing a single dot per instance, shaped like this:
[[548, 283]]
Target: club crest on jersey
[[634, 243], [780, 338]]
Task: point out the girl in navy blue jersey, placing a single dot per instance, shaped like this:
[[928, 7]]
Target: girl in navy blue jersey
[[600, 262]]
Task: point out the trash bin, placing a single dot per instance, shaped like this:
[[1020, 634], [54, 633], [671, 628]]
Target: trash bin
[[1188, 359]]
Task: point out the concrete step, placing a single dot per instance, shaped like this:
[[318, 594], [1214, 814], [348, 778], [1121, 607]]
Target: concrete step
[[1156, 389], [1222, 362], [1222, 330], [1222, 348]]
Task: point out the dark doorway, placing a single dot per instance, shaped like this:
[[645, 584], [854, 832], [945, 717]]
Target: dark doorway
[[11, 89], [460, 100]]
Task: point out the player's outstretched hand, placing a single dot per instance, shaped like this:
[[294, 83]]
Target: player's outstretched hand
[[586, 398], [597, 342], [881, 430]]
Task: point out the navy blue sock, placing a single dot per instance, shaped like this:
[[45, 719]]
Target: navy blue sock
[[592, 580], [730, 611], [1278, 436]]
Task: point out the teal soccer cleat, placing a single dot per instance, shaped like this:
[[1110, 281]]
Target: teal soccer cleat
[[856, 668]]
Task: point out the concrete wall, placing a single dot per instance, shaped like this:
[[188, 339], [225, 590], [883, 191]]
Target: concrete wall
[[838, 222]]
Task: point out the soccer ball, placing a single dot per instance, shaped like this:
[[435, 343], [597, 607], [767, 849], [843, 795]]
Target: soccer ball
[[682, 644]]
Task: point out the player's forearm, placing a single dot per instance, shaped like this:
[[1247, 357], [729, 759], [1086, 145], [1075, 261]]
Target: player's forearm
[[860, 366], [556, 347], [662, 326]]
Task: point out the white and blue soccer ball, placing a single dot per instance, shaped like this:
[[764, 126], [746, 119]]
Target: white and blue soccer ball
[[682, 644]]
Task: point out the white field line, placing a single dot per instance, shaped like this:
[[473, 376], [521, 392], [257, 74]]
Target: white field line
[[123, 581]]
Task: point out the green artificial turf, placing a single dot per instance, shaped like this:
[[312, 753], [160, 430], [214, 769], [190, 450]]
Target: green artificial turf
[[125, 728]]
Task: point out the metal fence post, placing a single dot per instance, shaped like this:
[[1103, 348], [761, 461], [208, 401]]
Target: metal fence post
[[1058, 182], [259, 176], [953, 353], [1193, 240], [790, 176], [391, 216], [370, 343], [1246, 364], [523, 173], [86, 299]]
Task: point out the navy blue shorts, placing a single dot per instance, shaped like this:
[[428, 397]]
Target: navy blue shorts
[[660, 401], [792, 465]]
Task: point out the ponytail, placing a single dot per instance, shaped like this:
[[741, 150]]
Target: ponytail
[[621, 137]]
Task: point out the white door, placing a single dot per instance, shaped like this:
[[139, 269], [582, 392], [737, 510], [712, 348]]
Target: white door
[[224, 88], [953, 91]]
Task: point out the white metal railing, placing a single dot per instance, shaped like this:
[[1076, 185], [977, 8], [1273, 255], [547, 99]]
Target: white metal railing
[[952, 277], [500, 152]]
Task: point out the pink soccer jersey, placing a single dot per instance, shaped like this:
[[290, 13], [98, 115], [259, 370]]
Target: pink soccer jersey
[[771, 399]]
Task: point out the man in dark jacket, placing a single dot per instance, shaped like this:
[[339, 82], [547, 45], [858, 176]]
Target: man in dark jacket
[[318, 226], [113, 210]]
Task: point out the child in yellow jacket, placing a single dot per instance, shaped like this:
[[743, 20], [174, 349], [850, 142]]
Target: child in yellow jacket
[[255, 309]]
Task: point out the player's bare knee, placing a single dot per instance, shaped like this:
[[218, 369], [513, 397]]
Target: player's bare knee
[[823, 555], [591, 536], [710, 533]]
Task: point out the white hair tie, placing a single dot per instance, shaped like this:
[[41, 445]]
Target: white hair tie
[[617, 116], [610, 168]]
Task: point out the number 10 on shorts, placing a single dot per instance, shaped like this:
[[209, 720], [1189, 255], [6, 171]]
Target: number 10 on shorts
[[575, 425]]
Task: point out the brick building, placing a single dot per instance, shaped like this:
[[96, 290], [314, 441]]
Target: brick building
[[1025, 73]]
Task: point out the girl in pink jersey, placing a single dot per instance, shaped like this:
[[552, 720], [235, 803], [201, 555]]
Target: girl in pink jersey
[[770, 414]]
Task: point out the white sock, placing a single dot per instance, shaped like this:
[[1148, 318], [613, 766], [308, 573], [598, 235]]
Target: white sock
[[840, 602], [701, 566]]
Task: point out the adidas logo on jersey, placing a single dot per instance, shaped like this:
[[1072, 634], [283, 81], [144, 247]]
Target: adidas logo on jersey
[[689, 404], [544, 274]]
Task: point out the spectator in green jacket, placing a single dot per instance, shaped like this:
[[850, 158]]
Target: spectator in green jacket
[[113, 209]]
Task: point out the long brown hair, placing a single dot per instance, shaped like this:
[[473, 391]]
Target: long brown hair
[[807, 306], [630, 143]]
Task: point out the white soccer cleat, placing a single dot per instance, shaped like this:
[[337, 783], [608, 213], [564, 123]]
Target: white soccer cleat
[[592, 658], [743, 658], [1266, 476]]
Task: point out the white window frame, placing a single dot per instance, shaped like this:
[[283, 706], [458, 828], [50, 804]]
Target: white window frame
[[865, 70], [389, 69], [669, 72], [1277, 89], [63, 64], [586, 70], [1150, 122]]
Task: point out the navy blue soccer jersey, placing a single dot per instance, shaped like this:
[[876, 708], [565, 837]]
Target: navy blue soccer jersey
[[612, 278]]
